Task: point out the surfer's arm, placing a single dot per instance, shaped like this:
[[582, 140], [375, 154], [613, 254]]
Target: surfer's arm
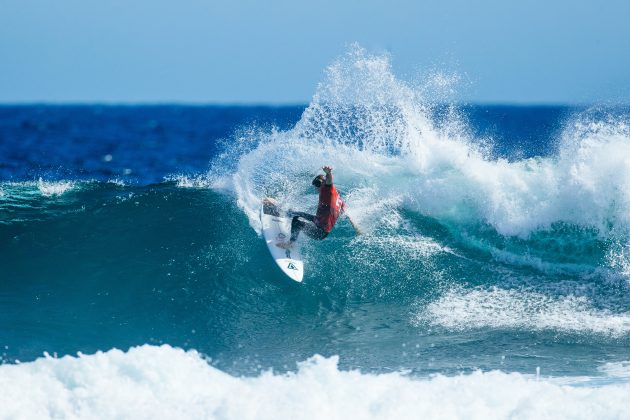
[[329, 177]]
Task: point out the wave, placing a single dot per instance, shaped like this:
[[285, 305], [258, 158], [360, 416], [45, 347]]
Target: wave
[[41, 188], [21, 202], [167, 382], [191, 237], [456, 239], [396, 151]]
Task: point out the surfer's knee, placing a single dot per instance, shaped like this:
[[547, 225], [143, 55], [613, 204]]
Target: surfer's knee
[[296, 222]]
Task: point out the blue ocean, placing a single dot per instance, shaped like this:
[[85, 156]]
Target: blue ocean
[[492, 278]]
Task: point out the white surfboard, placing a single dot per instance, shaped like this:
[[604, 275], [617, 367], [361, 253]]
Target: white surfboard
[[276, 227]]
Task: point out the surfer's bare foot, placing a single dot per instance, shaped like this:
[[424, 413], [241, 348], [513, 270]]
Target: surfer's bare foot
[[285, 245]]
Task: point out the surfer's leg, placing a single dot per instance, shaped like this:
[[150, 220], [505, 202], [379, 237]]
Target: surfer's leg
[[270, 206], [301, 214], [296, 226], [300, 222], [313, 231]]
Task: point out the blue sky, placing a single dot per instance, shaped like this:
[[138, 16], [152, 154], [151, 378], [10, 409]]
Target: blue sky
[[276, 51]]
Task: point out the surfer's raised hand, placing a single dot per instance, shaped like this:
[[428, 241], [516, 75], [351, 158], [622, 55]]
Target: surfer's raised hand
[[329, 178]]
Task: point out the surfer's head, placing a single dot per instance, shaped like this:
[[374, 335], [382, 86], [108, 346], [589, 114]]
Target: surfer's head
[[318, 181]]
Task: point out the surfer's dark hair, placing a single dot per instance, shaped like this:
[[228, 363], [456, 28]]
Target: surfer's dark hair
[[319, 180]]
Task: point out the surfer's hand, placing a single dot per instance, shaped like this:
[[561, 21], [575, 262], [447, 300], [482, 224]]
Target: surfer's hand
[[327, 169]]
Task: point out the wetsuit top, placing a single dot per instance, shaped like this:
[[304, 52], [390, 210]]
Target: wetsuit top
[[329, 208]]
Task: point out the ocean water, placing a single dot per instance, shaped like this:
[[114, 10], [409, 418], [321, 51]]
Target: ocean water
[[492, 279]]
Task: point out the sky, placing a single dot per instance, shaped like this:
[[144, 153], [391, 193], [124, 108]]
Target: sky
[[276, 51]]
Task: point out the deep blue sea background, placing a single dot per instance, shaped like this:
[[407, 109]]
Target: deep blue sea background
[[154, 142], [112, 235]]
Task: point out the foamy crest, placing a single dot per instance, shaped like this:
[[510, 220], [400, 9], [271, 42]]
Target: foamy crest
[[376, 131], [617, 369], [117, 182], [168, 383], [184, 181], [499, 308], [360, 122], [52, 188]]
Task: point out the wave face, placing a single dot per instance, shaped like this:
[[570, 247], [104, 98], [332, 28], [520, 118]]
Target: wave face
[[495, 238]]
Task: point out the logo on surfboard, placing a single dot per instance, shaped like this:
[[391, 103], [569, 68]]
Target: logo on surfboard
[[291, 266]]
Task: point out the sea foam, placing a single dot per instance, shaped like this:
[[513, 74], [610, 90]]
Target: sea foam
[[381, 135], [48, 188], [169, 383], [461, 309]]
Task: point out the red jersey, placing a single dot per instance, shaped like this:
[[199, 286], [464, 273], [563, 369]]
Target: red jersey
[[329, 208]]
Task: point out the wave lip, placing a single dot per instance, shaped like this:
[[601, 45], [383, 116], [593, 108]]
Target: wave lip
[[389, 142], [54, 188], [30, 189], [166, 382]]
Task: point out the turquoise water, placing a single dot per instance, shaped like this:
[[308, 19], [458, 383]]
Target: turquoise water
[[109, 266]]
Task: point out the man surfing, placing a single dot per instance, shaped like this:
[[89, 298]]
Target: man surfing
[[330, 207]]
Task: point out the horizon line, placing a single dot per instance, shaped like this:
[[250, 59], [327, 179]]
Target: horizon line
[[272, 104]]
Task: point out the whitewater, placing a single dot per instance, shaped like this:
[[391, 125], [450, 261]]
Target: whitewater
[[491, 281], [163, 382]]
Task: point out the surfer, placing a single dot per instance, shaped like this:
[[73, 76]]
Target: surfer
[[330, 207]]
